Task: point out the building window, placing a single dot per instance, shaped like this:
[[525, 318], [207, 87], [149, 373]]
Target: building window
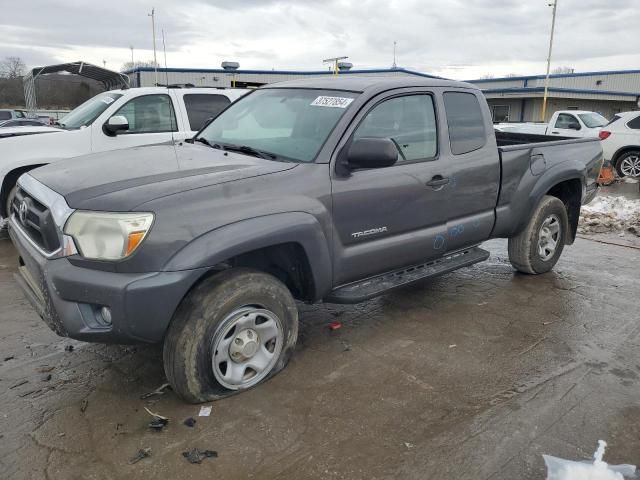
[[501, 113], [572, 108]]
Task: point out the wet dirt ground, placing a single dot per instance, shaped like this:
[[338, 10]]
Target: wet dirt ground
[[470, 376]]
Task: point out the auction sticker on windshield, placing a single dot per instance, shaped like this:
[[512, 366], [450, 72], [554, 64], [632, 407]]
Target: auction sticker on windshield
[[108, 100], [336, 102]]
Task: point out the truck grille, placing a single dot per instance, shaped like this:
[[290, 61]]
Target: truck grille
[[36, 220]]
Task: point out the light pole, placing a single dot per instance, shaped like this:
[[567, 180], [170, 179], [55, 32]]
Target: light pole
[[546, 80], [131, 47], [153, 27]]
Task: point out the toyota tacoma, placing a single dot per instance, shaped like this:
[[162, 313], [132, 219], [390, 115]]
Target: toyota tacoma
[[321, 190]]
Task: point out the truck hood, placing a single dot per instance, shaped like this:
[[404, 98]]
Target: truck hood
[[123, 179]]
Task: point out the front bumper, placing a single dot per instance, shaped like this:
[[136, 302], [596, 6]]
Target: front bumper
[[69, 298]]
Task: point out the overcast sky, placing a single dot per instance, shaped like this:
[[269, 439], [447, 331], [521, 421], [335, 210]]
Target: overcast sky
[[452, 38]]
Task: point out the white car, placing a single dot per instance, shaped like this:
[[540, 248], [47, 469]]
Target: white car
[[110, 121], [563, 123], [620, 141]]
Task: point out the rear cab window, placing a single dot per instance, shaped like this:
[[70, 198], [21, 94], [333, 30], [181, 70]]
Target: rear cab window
[[465, 121], [203, 106]]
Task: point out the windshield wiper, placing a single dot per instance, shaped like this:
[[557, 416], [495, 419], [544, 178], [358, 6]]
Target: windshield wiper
[[249, 151], [207, 143]]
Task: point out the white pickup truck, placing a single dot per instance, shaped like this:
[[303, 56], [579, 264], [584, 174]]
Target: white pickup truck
[[563, 123], [111, 121]]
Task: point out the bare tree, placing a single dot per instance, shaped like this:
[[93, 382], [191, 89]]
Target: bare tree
[[563, 70], [12, 67], [139, 64]]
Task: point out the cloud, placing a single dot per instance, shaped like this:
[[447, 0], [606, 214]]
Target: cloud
[[455, 38]]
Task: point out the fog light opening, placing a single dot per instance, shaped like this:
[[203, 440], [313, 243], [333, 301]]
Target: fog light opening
[[105, 313]]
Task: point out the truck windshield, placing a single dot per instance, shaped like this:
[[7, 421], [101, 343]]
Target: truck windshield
[[593, 120], [85, 114], [287, 124]]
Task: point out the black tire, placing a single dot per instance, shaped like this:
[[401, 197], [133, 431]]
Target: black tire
[[626, 156], [524, 249], [189, 344], [11, 195]]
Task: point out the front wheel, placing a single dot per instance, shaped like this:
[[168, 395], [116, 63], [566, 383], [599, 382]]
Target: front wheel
[[539, 246], [233, 331]]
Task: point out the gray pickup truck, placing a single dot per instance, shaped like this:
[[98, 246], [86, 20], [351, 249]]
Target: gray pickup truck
[[333, 190]]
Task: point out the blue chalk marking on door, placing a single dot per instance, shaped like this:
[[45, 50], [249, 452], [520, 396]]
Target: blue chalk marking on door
[[438, 242]]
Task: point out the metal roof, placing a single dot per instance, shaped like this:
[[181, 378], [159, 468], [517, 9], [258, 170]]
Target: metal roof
[[279, 72], [108, 78], [555, 75], [561, 90]]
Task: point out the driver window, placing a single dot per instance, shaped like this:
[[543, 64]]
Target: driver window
[[408, 121], [149, 114], [564, 120]]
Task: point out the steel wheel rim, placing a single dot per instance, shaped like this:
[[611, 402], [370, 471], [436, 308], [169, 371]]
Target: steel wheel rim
[[630, 166], [245, 347], [548, 237]]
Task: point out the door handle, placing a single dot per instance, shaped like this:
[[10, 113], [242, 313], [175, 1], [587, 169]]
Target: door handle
[[437, 181], [556, 132]]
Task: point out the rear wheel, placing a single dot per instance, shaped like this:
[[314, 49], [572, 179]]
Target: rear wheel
[[628, 165], [233, 331], [539, 246]]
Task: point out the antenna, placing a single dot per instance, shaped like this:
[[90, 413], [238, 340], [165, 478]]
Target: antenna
[[164, 48], [153, 27], [394, 65], [166, 76]]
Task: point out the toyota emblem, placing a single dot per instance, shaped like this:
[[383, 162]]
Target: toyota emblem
[[22, 211]]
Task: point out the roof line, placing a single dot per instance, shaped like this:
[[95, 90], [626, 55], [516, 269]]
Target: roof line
[[279, 72], [554, 75], [559, 90]]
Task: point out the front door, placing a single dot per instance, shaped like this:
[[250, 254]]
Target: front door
[[152, 120], [385, 218]]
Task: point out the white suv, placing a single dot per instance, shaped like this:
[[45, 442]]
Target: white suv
[[621, 143]]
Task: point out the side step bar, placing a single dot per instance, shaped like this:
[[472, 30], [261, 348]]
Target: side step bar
[[372, 287]]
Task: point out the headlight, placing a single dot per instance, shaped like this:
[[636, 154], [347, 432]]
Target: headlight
[[107, 236]]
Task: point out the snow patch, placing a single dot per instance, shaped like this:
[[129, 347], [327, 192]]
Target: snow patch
[[610, 214], [559, 469]]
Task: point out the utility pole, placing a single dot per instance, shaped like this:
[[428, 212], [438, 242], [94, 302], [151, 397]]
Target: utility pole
[[104, 63], [394, 55], [546, 80], [334, 61], [153, 27], [131, 47]]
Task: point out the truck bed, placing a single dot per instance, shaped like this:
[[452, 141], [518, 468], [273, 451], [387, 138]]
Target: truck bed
[[515, 138], [526, 160]]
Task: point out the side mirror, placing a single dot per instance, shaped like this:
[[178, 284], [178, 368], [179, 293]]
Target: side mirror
[[574, 126], [115, 125], [368, 152]]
